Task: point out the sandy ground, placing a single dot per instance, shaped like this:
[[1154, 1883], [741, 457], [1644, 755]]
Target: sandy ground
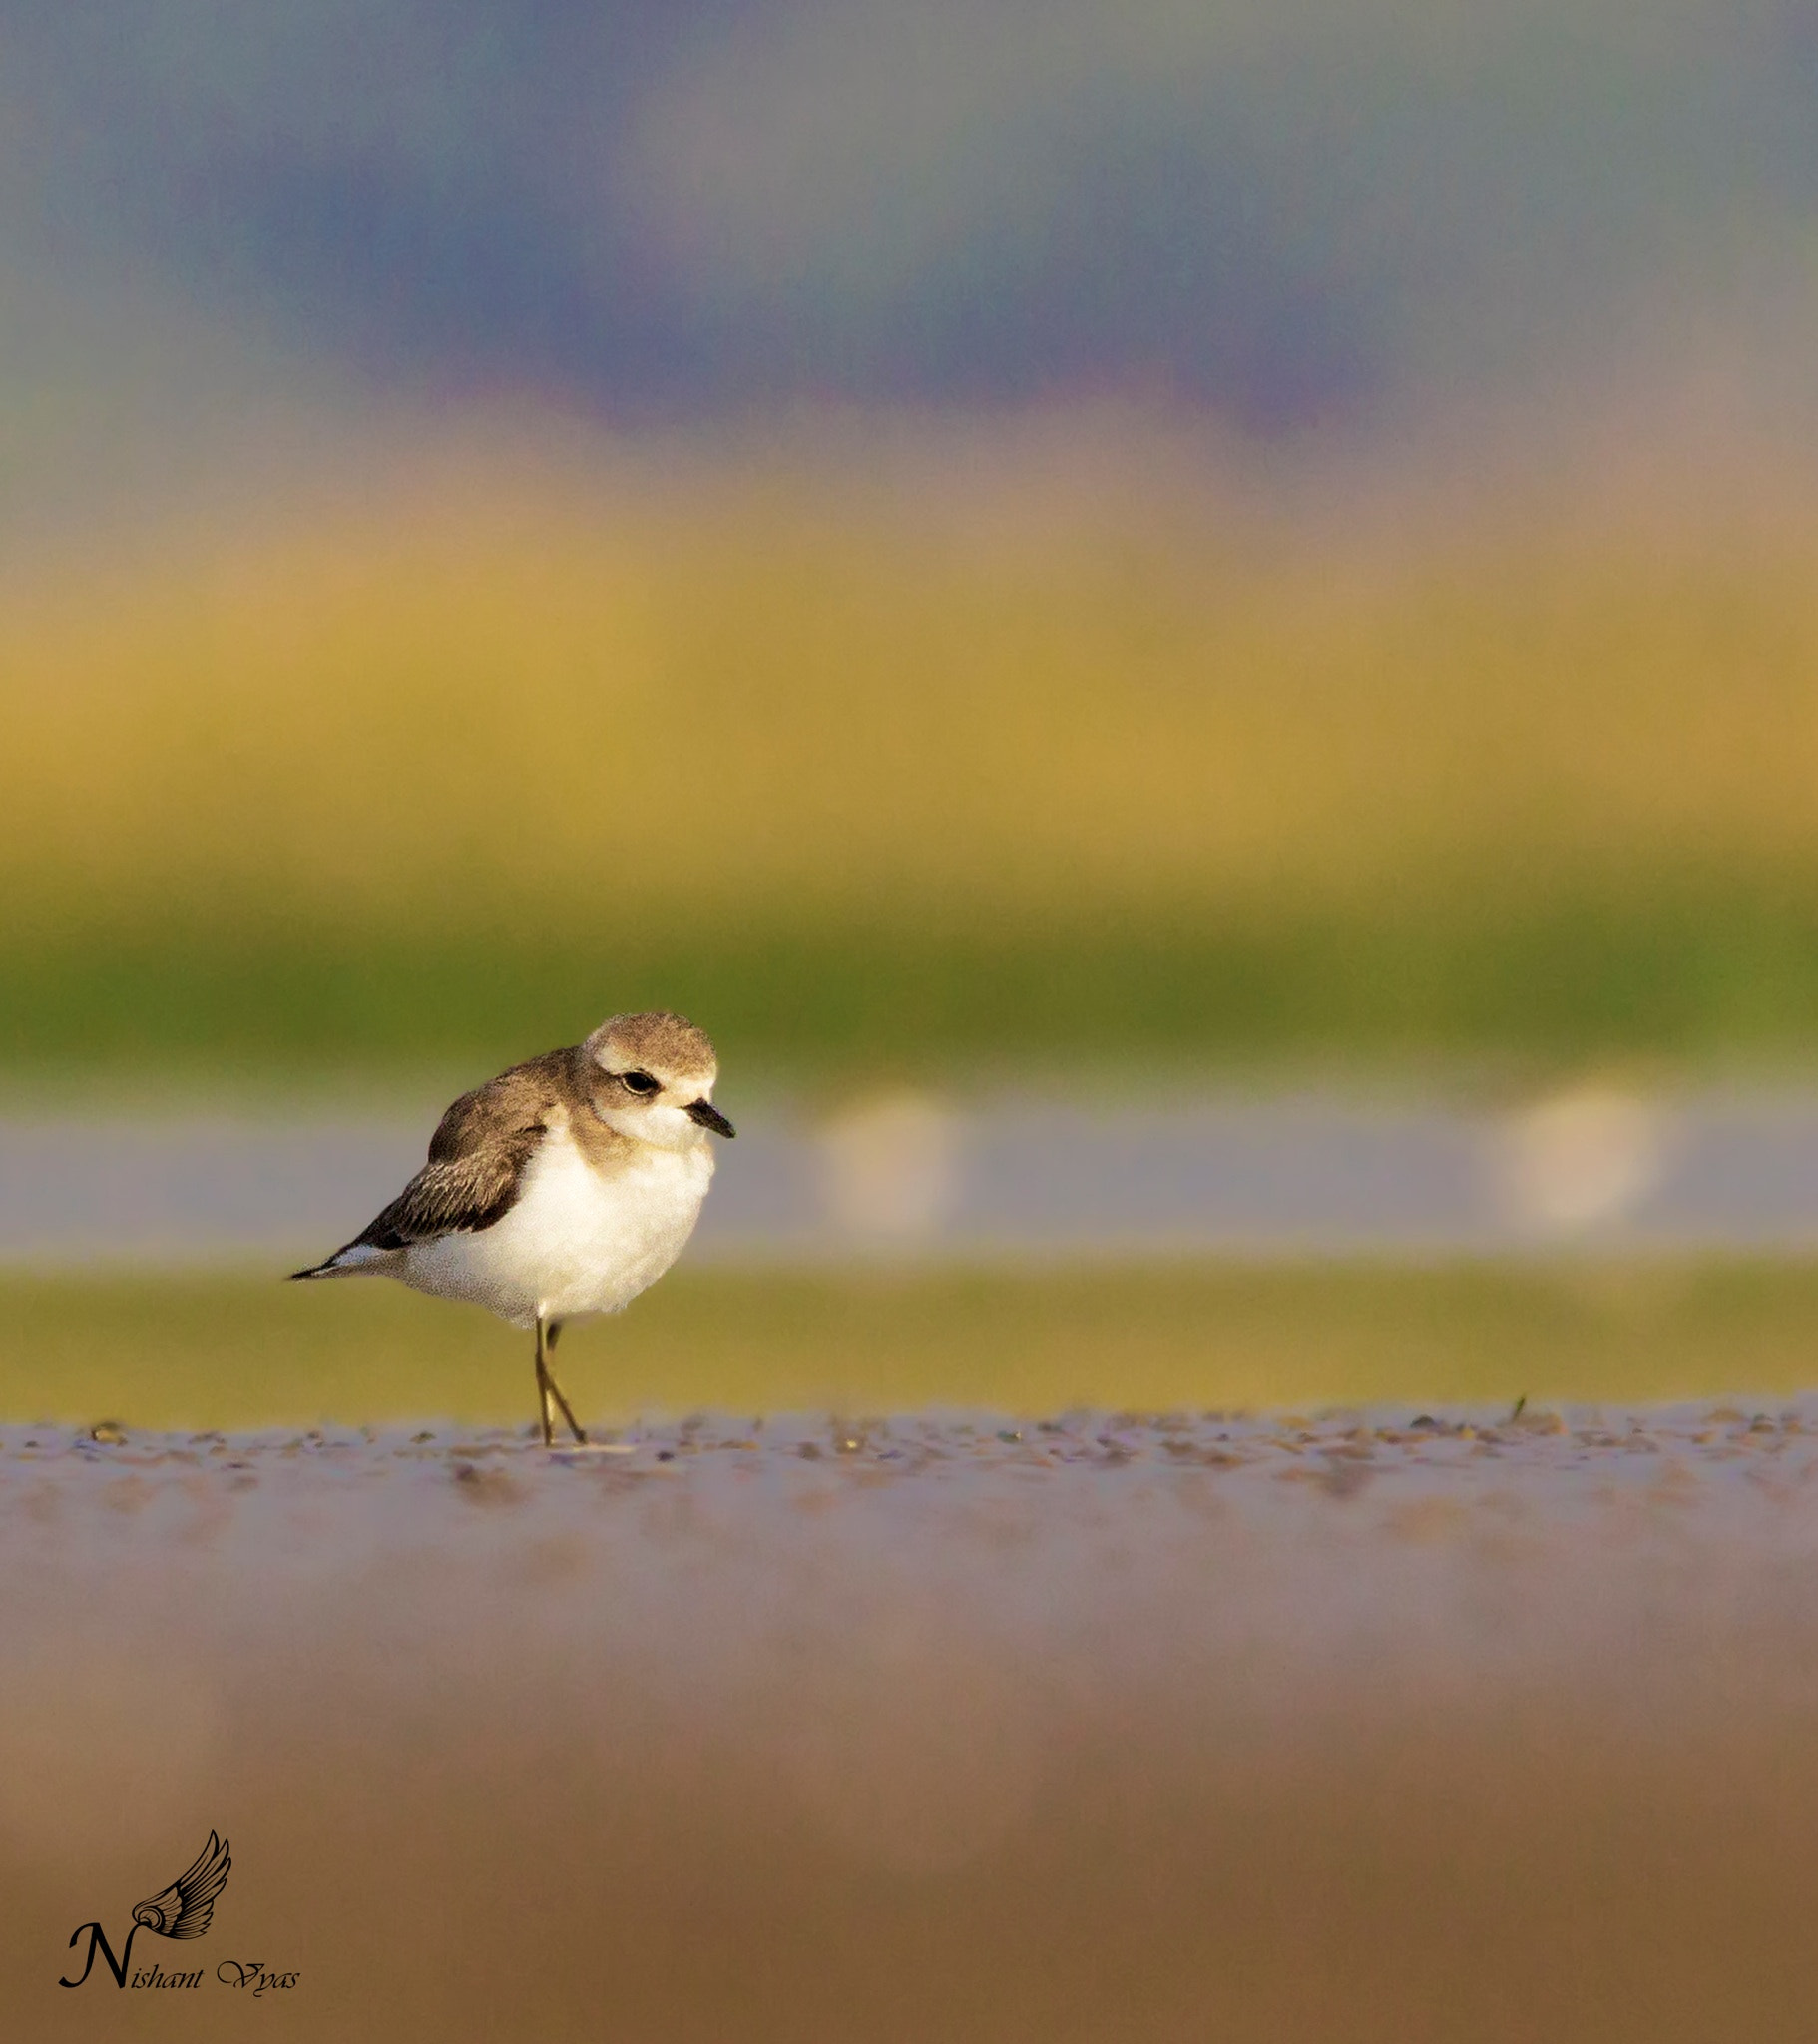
[[1110, 1728]]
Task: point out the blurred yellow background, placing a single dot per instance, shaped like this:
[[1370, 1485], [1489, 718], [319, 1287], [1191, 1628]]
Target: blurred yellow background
[[494, 700], [1210, 768]]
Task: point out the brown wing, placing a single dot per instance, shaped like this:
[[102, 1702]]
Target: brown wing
[[477, 1156], [185, 1907]]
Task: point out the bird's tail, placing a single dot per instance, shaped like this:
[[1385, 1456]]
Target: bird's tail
[[351, 1260]]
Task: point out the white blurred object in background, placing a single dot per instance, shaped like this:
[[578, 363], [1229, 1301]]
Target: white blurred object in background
[[1583, 1159], [890, 1168], [1244, 1175]]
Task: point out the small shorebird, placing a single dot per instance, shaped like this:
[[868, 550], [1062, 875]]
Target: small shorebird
[[565, 1186]]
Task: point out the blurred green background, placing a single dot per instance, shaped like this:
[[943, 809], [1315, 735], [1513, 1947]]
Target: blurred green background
[[207, 1351], [435, 785]]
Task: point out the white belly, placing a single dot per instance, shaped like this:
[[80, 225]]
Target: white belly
[[578, 1240]]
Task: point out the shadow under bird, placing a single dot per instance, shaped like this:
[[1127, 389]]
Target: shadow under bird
[[565, 1186]]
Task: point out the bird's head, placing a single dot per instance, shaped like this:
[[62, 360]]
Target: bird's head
[[650, 1077]]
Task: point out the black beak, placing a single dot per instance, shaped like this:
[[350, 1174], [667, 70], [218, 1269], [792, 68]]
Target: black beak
[[709, 1117]]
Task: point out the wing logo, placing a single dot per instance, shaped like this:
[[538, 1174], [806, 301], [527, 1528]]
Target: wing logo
[[183, 1910]]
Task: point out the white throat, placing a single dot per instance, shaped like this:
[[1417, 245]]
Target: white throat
[[663, 1128]]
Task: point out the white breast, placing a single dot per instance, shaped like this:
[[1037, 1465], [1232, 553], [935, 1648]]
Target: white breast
[[580, 1240]]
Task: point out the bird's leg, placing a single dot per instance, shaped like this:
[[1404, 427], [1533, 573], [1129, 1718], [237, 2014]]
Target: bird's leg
[[543, 1385], [546, 1378]]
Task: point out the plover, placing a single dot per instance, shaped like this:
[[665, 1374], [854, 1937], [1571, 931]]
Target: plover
[[564, 1186]]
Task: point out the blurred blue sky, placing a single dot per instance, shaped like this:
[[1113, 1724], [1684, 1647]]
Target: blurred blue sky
[[1288, 213]]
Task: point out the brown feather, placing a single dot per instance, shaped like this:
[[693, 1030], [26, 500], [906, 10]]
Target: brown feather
[[478, 1155]]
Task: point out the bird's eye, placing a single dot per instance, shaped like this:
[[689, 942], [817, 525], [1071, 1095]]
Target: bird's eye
[[640, 1082]]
